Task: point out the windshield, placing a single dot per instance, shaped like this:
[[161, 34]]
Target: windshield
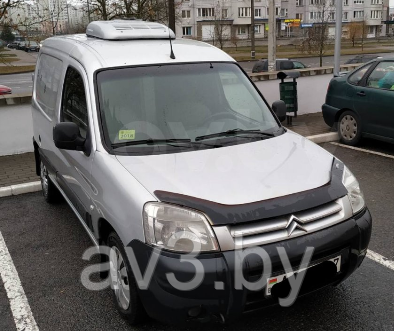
[[183, 101]]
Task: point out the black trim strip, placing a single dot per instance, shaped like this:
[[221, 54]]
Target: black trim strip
[[221, 214]]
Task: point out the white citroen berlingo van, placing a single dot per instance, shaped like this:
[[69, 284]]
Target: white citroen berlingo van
[[169, 155]]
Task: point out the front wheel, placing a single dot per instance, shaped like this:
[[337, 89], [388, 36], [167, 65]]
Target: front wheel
[[349, 128], [49, 190], [123, 284]]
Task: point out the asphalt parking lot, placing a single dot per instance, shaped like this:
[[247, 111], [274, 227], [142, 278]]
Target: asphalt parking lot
[[46, 244]]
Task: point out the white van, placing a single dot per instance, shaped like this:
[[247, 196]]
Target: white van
[[169, 155]]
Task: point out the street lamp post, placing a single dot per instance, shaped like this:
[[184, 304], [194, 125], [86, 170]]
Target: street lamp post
[[87, 3], [171, 14], [68, 19], [252, 32], [338, 37], [271, 36]]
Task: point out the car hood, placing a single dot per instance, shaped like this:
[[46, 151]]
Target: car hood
[[238, 174]]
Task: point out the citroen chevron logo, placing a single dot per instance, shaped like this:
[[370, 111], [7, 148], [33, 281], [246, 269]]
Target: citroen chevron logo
[[292, 224]]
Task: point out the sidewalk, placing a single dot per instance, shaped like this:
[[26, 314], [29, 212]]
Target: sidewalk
[[20, 168], [17, 169], [24, 58], [308, 125]]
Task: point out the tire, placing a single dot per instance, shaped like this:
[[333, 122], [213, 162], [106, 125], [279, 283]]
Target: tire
[[349, 128], [121, 277], [49, 190]]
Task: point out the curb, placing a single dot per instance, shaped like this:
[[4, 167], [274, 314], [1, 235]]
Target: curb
[[324, 138], [16, 73], [14, 99], [20, 189], [36, 186], [263, 76]]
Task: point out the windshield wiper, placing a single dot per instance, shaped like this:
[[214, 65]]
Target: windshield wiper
[[234, 132], [171, 142], [151, 142]]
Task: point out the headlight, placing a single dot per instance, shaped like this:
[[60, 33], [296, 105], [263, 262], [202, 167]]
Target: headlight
[[178, 229], [355, 194]]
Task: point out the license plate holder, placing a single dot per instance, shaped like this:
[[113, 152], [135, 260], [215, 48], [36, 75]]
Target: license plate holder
[[272, 281]]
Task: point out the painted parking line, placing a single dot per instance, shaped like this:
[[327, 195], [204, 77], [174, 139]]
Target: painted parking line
[[23, 317], [380, 259], [363, 150]]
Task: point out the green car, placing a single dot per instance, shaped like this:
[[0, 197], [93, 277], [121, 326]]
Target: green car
[[361, 103]]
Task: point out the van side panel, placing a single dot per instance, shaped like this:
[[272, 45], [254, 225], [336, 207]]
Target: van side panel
[[45, 101]]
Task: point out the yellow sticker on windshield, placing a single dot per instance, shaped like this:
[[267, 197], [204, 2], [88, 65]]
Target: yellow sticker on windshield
[[126, 134]]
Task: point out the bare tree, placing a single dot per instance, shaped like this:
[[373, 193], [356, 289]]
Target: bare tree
[[355, 31], [44, 15], [29, 22], [6, 5], [363, 31], [221, 31], [317, 37], [150, 10], [234, 38], [104, 9]]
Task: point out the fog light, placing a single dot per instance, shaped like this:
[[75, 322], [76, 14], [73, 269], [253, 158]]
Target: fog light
[[194, 312]]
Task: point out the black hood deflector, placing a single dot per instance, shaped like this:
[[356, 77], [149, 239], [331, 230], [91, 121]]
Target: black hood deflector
[[220, 214]]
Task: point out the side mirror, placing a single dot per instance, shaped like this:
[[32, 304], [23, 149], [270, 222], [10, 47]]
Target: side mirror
[[279, 108], [66, 135]]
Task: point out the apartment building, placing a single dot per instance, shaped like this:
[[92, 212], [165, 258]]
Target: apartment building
[[200, 18], [204, 19], [46, 17], [390, 22], [371, 12]]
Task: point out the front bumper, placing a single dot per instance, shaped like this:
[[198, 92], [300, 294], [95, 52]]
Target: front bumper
[[163, 302]]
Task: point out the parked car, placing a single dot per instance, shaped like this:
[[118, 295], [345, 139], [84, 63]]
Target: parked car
[[21, 46], [360, 103], [32, 46], [169, 155], [5, 90], [14, 44], [281, 64], [364, 58]]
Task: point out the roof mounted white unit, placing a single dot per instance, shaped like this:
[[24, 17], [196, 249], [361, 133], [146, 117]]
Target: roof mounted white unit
[[128, 30]]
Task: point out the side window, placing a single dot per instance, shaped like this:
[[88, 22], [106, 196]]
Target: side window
[[382, 76], [298, 65], [286, 65], [357, 76], [74, 107], [47, 83]]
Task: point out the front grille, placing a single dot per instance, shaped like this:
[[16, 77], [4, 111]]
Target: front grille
[[284, 227]]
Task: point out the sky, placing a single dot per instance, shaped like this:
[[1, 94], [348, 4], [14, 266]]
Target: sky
[[391, 3]]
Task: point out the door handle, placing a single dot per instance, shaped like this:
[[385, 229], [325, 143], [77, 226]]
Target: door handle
[[361, 94]]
